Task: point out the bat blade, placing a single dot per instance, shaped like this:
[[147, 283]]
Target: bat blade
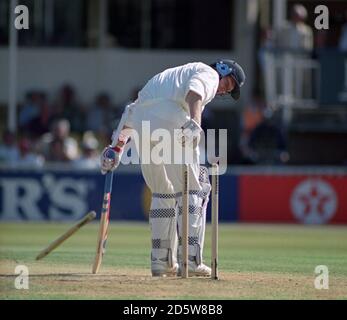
[[57, 242], [101, 244], [104, 222]]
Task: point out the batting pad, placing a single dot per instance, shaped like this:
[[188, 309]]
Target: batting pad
[[198, 200], [163, 227]]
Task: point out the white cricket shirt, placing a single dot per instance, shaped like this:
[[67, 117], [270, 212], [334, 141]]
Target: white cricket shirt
[[175, 83]]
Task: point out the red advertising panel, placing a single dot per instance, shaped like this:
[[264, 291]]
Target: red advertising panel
[[295, 198]]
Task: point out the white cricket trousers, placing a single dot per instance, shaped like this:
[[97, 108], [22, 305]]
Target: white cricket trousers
[[164, 179]]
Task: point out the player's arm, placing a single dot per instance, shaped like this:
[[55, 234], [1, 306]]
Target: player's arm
[[123, 137], [112, 154], [192, 128], [201, 87], [194, 102]]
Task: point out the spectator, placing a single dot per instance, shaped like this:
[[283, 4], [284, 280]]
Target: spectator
[[26, 157], [57, 152], [59, 137], [30, 111], [252, 116], [292, 47], [90, 158], [9, 152], [42, 125], [101, 116], [33, 116], [267, 144], [69, 107], [295, 34], [266, 43]]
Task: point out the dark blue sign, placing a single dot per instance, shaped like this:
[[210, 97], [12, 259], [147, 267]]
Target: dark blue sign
[[228, 199], [68, 195]]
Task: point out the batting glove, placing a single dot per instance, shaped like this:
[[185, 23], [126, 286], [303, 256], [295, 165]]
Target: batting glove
[[111, 156], [110, 159], [190, 134]]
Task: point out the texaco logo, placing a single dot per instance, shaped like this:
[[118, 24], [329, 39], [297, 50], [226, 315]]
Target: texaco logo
[[314, 201]]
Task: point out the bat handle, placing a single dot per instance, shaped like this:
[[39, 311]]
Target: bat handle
[[108, 182]]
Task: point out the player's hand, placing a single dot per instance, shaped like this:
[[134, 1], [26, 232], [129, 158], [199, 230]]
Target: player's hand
[[110, 159], [190, 134]]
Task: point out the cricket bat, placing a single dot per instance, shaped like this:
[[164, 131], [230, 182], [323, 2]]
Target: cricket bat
[[57, 242], [104, 222], [105, 211]]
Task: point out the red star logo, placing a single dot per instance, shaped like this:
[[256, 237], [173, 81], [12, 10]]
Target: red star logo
[[314, 196]]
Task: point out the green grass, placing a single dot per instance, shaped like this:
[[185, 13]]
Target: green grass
[[255, 262]]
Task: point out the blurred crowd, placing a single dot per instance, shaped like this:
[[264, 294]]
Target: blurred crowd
[[67, 131], [63, 131], [297, 33], [263, 137]]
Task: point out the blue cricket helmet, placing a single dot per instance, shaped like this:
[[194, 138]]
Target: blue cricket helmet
[[231, 68]]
